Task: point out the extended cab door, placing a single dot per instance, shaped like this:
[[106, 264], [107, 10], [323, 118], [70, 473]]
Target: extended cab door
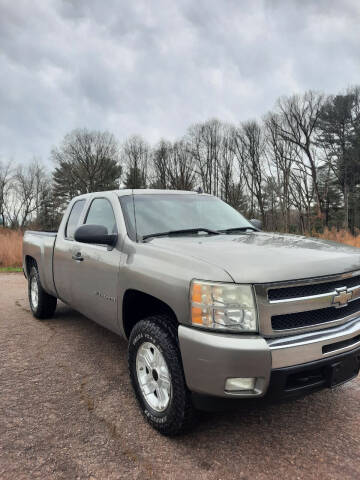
[[63, 266], [95, 270]]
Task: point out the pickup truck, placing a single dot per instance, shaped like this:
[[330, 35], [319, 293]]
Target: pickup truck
[[211, 306]]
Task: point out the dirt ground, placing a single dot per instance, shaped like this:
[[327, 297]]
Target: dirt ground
[[67, 411]]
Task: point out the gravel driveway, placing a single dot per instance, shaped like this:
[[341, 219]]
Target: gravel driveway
[[67, 412]]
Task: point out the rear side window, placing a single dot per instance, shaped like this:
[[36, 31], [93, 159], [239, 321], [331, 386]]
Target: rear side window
[[101, 213], [73, 219]]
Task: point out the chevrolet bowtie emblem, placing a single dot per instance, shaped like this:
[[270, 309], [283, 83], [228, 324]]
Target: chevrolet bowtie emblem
[[342, 297]]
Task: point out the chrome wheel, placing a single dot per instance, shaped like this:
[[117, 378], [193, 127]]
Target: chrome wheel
[[34, 292], [153, 376]]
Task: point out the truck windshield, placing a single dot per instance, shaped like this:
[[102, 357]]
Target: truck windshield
[[158, 213]]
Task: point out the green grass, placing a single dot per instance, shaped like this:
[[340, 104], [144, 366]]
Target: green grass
[[10, 269]]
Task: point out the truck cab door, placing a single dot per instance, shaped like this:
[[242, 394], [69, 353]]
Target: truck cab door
[[95, 269], [63, 265]]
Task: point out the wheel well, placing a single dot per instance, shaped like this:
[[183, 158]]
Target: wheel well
[[138, 305], [29, 262]]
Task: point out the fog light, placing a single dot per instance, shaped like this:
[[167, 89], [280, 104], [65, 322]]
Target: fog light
[[239, 384]]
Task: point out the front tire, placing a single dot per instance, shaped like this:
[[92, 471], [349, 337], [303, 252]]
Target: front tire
[[157, 376], [41, 303]]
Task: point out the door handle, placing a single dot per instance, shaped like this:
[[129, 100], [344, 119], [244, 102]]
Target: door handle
[[77, 257]]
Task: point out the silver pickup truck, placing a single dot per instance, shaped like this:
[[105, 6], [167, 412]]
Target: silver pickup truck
[[212, 307]]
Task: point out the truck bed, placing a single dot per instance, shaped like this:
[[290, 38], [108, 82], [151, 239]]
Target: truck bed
[[40, 246], [43, 233]]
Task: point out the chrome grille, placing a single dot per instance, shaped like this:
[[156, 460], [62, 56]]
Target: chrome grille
[[313, 305], [313, 317], [310, 290]]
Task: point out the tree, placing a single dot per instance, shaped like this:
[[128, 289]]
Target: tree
[[49, 215], [160, 164], [281, 155], [249, 147], [338, 136], [181, 170], [173, 167], [25, 194], [237, 197], [296, 121], [226, 163], [86, 161], [5, 181], [204, 140], [136, 156]]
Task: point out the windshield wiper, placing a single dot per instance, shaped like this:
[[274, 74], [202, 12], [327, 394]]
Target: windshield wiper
[[238, 229], [179, 232]]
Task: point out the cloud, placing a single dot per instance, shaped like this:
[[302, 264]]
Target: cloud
[[153, 68]]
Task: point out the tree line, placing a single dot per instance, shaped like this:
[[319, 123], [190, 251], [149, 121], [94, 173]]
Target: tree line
[[298, 169]]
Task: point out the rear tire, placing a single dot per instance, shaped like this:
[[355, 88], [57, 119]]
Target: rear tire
[[41, 303], [157, 376]]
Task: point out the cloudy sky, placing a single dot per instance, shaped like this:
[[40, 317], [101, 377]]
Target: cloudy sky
[[155, 67]]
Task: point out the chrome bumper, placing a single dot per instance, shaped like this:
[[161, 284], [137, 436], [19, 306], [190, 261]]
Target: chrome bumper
[[298, 349], [210, 358]]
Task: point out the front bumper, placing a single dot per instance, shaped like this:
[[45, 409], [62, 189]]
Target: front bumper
[[211, 358], [290, 382]]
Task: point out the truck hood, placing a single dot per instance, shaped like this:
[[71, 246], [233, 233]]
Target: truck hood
[[261, 257]]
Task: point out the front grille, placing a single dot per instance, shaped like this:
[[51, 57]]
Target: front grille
[[313, 317], [310, 290]]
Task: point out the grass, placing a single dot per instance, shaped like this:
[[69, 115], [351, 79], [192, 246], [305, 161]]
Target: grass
[[10, 269], [10, 248], [341, 236]]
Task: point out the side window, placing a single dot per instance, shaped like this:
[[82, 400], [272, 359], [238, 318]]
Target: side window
[[101, 213], [73, 219]]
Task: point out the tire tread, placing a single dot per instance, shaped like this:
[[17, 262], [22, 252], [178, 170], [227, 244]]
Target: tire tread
[[164, 329], [46, 303]]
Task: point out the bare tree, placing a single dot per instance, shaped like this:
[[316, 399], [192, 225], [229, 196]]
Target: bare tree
[[5, 182], [226, 161], [296, 121], [161, 158], [173, 166], [302, 195], [136, 159], [86, 161], [181, 170], [281, 155], [204, 140], [249, 148], [25, 196]]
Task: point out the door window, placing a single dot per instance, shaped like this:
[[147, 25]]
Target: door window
[[73, 219], [101, 213]]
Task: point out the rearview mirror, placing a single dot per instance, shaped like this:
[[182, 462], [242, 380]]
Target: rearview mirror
[[257, 223], [97, 234]]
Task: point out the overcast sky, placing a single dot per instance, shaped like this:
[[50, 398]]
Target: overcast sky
[[155, 67]]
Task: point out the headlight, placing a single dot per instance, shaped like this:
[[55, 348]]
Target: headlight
[[223, 306]]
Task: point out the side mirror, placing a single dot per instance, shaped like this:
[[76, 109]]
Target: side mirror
[[97, 234], [257, 223]]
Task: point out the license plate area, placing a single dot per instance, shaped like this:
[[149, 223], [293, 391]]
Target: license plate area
[[343, 371]]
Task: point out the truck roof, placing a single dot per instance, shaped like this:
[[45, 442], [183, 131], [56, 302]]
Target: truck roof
[[146, 191], [141, 191]]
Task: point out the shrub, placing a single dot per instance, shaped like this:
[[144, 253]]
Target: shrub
[[10, 248], [342, 236]]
